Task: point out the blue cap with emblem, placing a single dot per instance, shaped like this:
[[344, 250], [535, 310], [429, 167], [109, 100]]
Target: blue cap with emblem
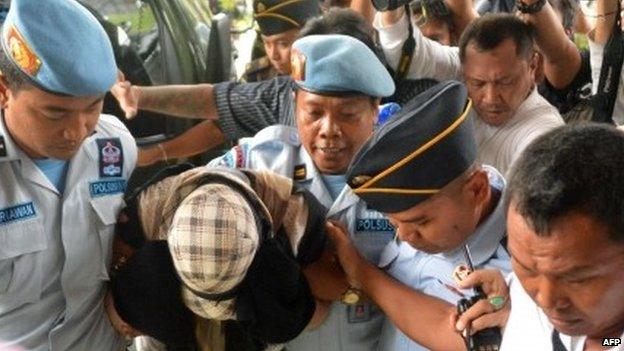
[[338, 65], [424, 147], [59, 46]]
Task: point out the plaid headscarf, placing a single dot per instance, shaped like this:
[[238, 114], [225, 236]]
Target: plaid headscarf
[[212, 232]]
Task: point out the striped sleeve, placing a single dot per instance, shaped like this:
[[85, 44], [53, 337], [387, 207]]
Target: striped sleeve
[[245, 109]]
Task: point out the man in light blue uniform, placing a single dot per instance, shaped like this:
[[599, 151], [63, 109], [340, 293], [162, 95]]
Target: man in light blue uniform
[[419, 169], [63, 168], [339, 83]]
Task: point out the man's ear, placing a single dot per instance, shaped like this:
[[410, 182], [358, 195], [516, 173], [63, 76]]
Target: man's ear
[[375, 105], [477, 186], [4, 91]]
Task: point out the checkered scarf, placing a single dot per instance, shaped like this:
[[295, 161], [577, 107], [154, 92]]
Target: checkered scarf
[[211, 229]]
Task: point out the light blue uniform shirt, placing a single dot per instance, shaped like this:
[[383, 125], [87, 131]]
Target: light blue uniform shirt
[[429, 273], [55, 248], [277, 148], [55, 170], [334, 183]]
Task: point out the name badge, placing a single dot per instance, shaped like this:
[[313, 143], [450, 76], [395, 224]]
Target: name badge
[[373, 225], [17, 213], [359, 313], [110, 154], [107, 187]]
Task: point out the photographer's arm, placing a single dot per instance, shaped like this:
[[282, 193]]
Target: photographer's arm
[[562, 60]]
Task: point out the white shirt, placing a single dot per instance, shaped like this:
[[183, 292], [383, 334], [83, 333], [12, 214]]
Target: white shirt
[[596, 54], [528, 328], [498, 146]]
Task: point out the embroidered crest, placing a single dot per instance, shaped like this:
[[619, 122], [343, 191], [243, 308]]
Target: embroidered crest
[[21, 52], [297, 64], [3, 148], [300, 172], [111, 157]]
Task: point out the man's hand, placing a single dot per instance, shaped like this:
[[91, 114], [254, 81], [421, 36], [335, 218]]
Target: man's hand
[[326, 279], [350, 259], [120, 326], [127, 96], [490, 312]]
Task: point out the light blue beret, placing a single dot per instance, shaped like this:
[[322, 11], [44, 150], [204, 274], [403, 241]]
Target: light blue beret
[[60, 45], [338, 65]]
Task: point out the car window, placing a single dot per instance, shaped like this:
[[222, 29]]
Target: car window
[[199, 16]]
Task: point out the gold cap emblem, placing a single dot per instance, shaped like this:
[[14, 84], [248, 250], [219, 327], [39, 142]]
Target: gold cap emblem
[[361, 179], [21, 53], [297, 65]]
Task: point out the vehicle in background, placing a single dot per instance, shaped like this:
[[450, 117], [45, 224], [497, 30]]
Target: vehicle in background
[[159, 42]]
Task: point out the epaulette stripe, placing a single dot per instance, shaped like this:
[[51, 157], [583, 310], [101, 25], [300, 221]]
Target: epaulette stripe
[[414, 154]]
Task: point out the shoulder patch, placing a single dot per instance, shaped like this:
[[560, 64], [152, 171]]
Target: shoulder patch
[[239, 154], [110, 154], [17, 213]]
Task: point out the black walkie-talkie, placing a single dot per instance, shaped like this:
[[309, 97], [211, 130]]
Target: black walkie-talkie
[[488, 339]]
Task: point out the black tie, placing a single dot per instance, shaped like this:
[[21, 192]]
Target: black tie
[[556, 341]]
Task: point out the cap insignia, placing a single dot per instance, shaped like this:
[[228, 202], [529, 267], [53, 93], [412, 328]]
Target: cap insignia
[[21, 53], [297, 64]]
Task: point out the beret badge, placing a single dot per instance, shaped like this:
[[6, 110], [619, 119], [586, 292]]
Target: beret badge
[[297, 63], [21, 53]]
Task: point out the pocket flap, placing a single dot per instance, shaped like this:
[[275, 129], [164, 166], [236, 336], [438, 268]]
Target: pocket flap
[[389, 254], [108, 207], [21, 238]]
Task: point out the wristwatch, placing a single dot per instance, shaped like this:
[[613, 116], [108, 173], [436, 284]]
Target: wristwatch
[[351, 296], [532, 8]]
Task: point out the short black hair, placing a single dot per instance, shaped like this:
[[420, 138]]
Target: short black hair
[[346, 22], [14, 77], [489, 31], [573, 169]]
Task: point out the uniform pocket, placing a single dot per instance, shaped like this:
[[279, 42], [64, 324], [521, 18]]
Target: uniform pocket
[[106, 210], [20, 263]]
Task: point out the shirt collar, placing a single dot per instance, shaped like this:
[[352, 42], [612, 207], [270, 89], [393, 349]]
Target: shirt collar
[[484, 242], [9, 145]]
